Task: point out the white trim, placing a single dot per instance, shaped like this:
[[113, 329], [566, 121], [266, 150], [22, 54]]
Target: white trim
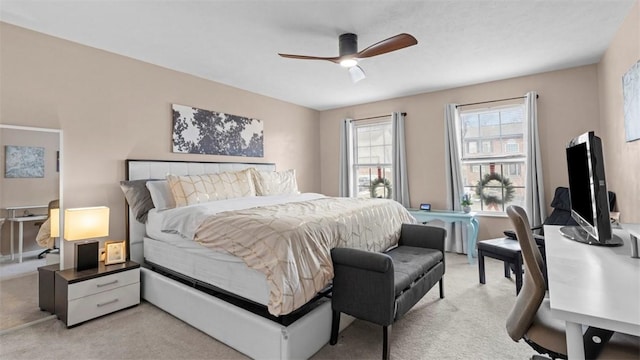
[[30, 128], [22, 326], [60, 175]]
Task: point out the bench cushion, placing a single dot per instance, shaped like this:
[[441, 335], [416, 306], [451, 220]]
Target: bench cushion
[[409, 263], [503, 246]]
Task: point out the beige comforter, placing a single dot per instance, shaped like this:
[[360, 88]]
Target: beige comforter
[[291, 243]]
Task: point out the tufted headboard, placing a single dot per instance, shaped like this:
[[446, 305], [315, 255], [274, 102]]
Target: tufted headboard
[[159, 169]]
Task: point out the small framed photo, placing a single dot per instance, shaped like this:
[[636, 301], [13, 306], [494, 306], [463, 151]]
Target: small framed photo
[[114, 252]]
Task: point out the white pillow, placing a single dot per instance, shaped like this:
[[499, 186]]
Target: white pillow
[[276, 182], [195, 189], [161, 194]]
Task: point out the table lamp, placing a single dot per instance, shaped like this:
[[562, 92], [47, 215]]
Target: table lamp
[[82, 224]]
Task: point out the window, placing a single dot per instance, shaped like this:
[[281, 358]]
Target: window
[[495, 175], [372, 152], [486, 147], [472, 147], [511, 147]]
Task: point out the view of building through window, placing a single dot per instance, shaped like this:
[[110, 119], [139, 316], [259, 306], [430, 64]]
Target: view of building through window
[[493, 157], [372, 159]]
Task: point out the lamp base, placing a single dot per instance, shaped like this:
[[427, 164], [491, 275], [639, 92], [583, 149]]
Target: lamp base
[[86, 255]]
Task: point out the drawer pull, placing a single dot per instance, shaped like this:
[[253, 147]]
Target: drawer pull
[[107, 303], [109, 283]]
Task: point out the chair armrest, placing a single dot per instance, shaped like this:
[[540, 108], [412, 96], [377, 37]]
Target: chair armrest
[[360, 259], [363, 285], [424, 236]]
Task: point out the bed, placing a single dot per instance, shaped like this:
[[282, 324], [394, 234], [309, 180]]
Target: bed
[[220, 292]]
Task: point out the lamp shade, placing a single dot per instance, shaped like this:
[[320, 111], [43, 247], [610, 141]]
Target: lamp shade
[[356, 73], [54, 222], [86, 223]]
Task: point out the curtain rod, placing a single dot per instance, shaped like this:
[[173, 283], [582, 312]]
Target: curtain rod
[[377, 117], [491, 101]]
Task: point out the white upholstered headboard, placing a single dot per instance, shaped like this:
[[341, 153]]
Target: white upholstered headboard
[[159, 169]]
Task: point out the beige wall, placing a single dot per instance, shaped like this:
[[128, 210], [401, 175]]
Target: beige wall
[[568, 105], [622, 159], [111, 108]]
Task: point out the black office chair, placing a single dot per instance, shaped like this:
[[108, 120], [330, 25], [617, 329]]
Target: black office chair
[[561, 215]]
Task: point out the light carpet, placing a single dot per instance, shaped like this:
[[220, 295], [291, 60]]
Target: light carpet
[[469, 323], [19, 301]]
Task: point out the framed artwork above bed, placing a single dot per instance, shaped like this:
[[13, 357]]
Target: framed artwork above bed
[[198, 131]]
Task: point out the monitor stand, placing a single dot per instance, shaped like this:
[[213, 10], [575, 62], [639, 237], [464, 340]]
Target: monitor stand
[[576, 233]]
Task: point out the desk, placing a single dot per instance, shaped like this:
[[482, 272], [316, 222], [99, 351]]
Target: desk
[[21, 220], [593, 286], [452, 216]]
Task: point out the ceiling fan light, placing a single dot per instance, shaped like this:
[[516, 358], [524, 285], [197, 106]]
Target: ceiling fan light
[[356, 73], [348, 63]]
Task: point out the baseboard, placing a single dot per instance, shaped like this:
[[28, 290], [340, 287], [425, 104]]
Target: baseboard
[[7, 257]]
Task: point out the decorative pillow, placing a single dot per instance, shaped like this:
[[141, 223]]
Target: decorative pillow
[[138, 198], [276, 182], [195, 189], [161, 194]]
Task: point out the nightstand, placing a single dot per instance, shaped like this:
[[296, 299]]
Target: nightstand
[[88, 294], [46, 278]]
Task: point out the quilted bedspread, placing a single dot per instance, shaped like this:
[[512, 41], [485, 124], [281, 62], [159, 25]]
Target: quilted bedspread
[[291, 243]]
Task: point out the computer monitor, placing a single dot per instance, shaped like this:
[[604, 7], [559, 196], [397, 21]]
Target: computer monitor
[[588, 193]]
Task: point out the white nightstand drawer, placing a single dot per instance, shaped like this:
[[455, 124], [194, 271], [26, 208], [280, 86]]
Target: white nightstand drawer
[[90, 307], [103, 283]]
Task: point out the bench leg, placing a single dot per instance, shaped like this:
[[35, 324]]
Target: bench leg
[[441, 282], [335, 327], [386, 332], [507, 270], [518, 272], [481, 266]]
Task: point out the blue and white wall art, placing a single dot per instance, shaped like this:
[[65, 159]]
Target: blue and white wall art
[[24, 162], [198, 131]]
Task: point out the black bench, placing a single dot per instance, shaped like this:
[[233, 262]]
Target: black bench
[[382, 287], [507, 250], [504, 249]]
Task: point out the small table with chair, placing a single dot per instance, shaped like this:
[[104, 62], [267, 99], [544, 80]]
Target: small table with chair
[[20, 220], [508, 249]]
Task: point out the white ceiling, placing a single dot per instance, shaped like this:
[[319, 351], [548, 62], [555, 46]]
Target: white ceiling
[[236, 42]]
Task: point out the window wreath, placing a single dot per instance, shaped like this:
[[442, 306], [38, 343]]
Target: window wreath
[[492, 200], [378, 183]]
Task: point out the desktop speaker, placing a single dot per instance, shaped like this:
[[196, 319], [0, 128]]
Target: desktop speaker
[[86, 255]]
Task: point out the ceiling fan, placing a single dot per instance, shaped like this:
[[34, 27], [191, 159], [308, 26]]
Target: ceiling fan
[[349, 54]]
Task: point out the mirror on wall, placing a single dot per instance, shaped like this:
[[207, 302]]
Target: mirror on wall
[[30, 190]]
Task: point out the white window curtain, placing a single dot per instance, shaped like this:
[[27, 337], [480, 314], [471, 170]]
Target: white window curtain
[[344, 185], [400, 191], [456, 238], [534, 196]]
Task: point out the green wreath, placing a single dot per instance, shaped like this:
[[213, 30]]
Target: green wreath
[[493, 199], [380, 182]]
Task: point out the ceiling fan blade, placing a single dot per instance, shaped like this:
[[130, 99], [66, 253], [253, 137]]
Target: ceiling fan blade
[[304, 57], [391, 44]]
